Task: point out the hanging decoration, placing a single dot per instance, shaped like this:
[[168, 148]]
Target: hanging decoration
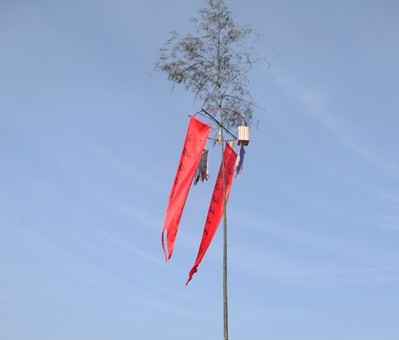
[[243, 135], [202, 171], [194, 143], [216, 210], [240, 161]]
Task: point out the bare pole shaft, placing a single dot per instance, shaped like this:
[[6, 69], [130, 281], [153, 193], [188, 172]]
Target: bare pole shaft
[[225, 300]]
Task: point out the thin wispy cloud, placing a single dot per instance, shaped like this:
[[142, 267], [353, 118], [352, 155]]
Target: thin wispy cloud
[[26, 297], [316, 104], [389, 222], [388, 195], [336, 260], [267, 265]]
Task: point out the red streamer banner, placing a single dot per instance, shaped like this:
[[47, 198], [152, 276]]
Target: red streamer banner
[[216, 210], [194, 143]]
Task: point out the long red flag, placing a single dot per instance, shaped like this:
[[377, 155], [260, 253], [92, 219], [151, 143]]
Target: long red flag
[[215, 211], [194, 143]]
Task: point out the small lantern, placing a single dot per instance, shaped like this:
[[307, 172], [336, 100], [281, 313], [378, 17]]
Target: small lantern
[[243, 135]]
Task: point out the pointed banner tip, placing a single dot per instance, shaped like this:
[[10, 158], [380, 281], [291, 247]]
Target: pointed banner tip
[[167, 258], [191, 274], [167, 255], [163, 244]]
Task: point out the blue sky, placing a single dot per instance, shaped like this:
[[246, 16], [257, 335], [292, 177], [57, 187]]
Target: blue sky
[[89, 144]]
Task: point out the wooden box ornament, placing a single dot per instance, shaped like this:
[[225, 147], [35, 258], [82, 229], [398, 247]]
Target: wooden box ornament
[[243, 135]]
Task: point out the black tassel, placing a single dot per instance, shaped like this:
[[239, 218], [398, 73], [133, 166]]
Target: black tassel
[[202, 170]]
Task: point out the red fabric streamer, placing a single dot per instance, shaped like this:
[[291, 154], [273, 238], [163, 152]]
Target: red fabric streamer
[[194, 143], [216, 210]]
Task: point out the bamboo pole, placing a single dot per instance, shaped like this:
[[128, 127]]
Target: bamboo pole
[[225, 297]]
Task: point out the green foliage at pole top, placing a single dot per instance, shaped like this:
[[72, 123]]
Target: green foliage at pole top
[[213, 63]]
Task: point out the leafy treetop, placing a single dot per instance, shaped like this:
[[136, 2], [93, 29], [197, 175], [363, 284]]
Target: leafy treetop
[[214, 63]]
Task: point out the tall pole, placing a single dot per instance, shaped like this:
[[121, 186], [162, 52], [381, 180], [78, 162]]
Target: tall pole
[[225, 300], [225, 304]]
